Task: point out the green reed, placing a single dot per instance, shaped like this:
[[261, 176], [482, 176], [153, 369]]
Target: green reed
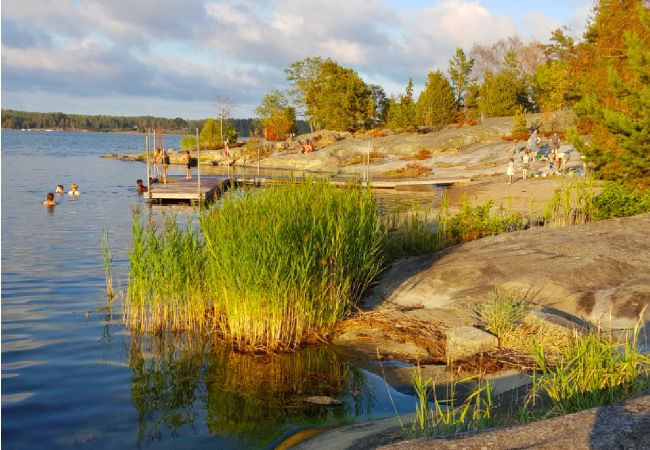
[[108, 259], [410, 234], [449, 416], [290, 261], [596, 369], [573, 203], [166, 287], [267, 270]]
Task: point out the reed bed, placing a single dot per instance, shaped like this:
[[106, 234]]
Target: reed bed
[[290, 261], [267, 271], [166, 284]]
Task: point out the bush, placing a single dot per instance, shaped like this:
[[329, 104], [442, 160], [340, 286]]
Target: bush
[[618, 200]]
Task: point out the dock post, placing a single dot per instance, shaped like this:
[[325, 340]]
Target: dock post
[[146, 144], [198, 167]]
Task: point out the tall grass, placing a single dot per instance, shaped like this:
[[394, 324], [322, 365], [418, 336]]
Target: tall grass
[[410, 234], [448, 416], [290, 261], [596, 369], [502, 314], [166, 285], [573, 203], [108, 260], [268, 270]]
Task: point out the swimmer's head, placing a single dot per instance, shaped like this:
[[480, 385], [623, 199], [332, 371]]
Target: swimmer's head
[[74, 186], [50, 196], [59, 188]]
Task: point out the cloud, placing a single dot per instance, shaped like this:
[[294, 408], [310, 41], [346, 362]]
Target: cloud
[[541, 26], [166, 50]]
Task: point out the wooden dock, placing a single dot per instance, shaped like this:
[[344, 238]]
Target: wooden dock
[[212, 186]]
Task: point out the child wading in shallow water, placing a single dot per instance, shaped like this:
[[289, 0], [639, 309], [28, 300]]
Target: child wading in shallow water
[[511, 170]]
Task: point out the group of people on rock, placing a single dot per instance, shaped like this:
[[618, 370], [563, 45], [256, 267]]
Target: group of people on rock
[[49, 198], [557, 160]]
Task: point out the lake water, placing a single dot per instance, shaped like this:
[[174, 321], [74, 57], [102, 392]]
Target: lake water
[[73, 376]]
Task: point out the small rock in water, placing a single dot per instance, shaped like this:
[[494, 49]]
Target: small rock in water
[[323, 400]]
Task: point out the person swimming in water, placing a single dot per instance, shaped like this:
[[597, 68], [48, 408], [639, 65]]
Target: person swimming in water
[[59, 189], [49, 200], [139, 186], [74, 189]]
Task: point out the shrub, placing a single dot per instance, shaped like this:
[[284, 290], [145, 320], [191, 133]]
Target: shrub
[[618, 200]]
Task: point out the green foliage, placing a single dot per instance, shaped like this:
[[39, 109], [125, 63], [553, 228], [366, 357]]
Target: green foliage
[[269, 270], [302, 77], [188, 142], [615, 109], [338, 99], [34, 120], [436, 104], [552, 84], [503, 313], [460, 69], [410, 234], [499, 94], [381, 103], [402, 113], [519, 126], [447, 417], [210, 134], [276, 115], [474, 222], [593, 370], [619, 200]]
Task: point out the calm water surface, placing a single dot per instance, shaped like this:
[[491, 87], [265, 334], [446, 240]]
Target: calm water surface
[[72, 376]]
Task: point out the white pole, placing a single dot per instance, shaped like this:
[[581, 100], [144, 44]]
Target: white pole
[[368, 164], [146, 144], [198, 165]]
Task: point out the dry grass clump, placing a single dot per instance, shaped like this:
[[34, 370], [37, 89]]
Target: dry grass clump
[[421, 155], [362, 158], [424, 333], [413, 170]]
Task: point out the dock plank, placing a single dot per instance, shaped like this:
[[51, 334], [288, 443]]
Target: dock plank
[[179, 189]]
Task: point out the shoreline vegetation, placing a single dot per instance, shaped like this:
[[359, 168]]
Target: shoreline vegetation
[[273, 270]]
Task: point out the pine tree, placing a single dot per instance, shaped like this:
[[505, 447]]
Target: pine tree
[[615, 109], [402, 114], [436, 104]]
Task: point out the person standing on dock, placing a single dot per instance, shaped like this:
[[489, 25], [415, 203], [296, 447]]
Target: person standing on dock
[[188, 161], [165, 163], [156, 159]]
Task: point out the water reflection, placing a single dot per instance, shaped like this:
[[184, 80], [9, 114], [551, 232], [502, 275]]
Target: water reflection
[[180, 385]]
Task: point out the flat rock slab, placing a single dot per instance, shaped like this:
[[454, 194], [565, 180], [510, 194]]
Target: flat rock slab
[[596, 271], [623, 425], [467, 341]]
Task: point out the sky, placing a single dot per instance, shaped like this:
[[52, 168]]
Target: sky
[[175, 58]]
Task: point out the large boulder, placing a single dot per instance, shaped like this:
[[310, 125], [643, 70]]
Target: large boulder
[[597, 271]]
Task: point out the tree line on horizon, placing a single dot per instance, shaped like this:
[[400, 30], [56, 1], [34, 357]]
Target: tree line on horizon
[[604, 78], [17, 120]]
